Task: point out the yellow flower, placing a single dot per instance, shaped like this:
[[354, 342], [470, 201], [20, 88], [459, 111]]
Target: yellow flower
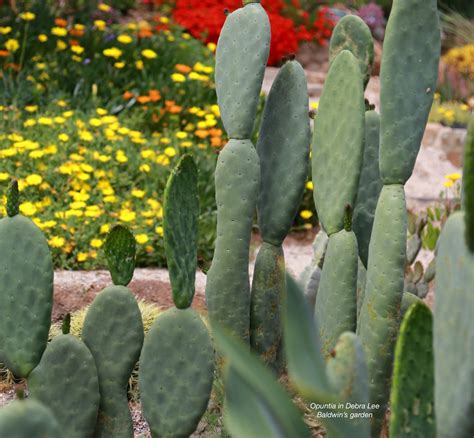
[[212, 47], [102, 112], [178, 77], [121, 157], [170, 151], [34, 179], [105, 228], [103, 7], [448, 184], [27, 208], [112, 52], [314, 105], [12, 45], [5, 30], [82, 257], [59, 31], [164, 20], [139, 65], [57, 242], [149, 54], [127, 215], [100, 24], [181, 135], [42, 38], [138, 193], [47, 121], [306, 214], [27, 16], [96, 243], [453, 176], [159, 230], [77, 49], [63, 137], [61, 45], [119, 65], [309, 185], [31, 108], [141, 238], [124, 39], [4, 176], [144, 168]]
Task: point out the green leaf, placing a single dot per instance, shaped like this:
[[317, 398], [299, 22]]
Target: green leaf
[[120, 250]]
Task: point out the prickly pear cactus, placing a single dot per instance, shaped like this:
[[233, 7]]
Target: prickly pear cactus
[[453, 331], [66, 382], [351, 33], [177, 360], [370, 185], [412, 396], [26, 289], [120, 249], [283, 150], [468, 185], [408, 299], [27, 419]]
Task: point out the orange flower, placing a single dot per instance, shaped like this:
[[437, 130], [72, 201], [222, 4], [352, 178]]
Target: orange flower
[[201, 133], [4, 53], [175, 109], [215, 132], [74, 43], [143, 99], [61, 22], [216, 142], [154, 95], [127, 95], [145, 33], [77, 32], [183, 68]]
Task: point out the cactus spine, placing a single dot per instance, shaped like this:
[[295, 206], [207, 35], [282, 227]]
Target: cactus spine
[[237, 177], [342, 108], [26, 289], [177, 360], [283, 150], [113, 332], [404, 113]]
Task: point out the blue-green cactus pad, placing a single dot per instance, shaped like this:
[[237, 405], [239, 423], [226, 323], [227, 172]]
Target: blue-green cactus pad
[[176, 373], [241, 58], [237, 180], [113, 332], [338, 142], [66, 381], [26, 294], [453, 332], [408, 76], [283, 150], [379, 316], [370, 185], [28, 419], [181, 208], [336, 301]]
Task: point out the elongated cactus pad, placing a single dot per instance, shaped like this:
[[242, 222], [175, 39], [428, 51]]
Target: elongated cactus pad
[[378, 321], [408, 78], [244, 41], [176, 373], [268, 289], [468, 185], [347, 372], [408, 299], [412, 396], [120, 249], [351, 33], [228, 288], [26, 292], [27, 419], [66, 381], [283, 150], [453, 332], [338, 142], [336, 301], [181, 208], [370, 185], [113, 332]]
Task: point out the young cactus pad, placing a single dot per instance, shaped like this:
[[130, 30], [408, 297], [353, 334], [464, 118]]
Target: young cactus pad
[[408, 78], [120, 249], [453, 332], [244, 41], [181, 208], [351, 33], [27, 419], [177, 360], [412, 396], [26, 290], [113, 332], [66, 381], [283, 150]]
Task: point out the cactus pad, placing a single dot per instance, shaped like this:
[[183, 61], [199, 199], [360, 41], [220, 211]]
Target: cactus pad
[[176, 373], [26, 294], [370, 185], [13, 199], [412, 396], [244, 41], [181, 208], [66, 382], [351, 33], [283, 150], [453, 332], [120, 249], [468, 185], [228, 287], [336, 301], [408, 78], [338, 142], [27, 419], [113, 332]]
